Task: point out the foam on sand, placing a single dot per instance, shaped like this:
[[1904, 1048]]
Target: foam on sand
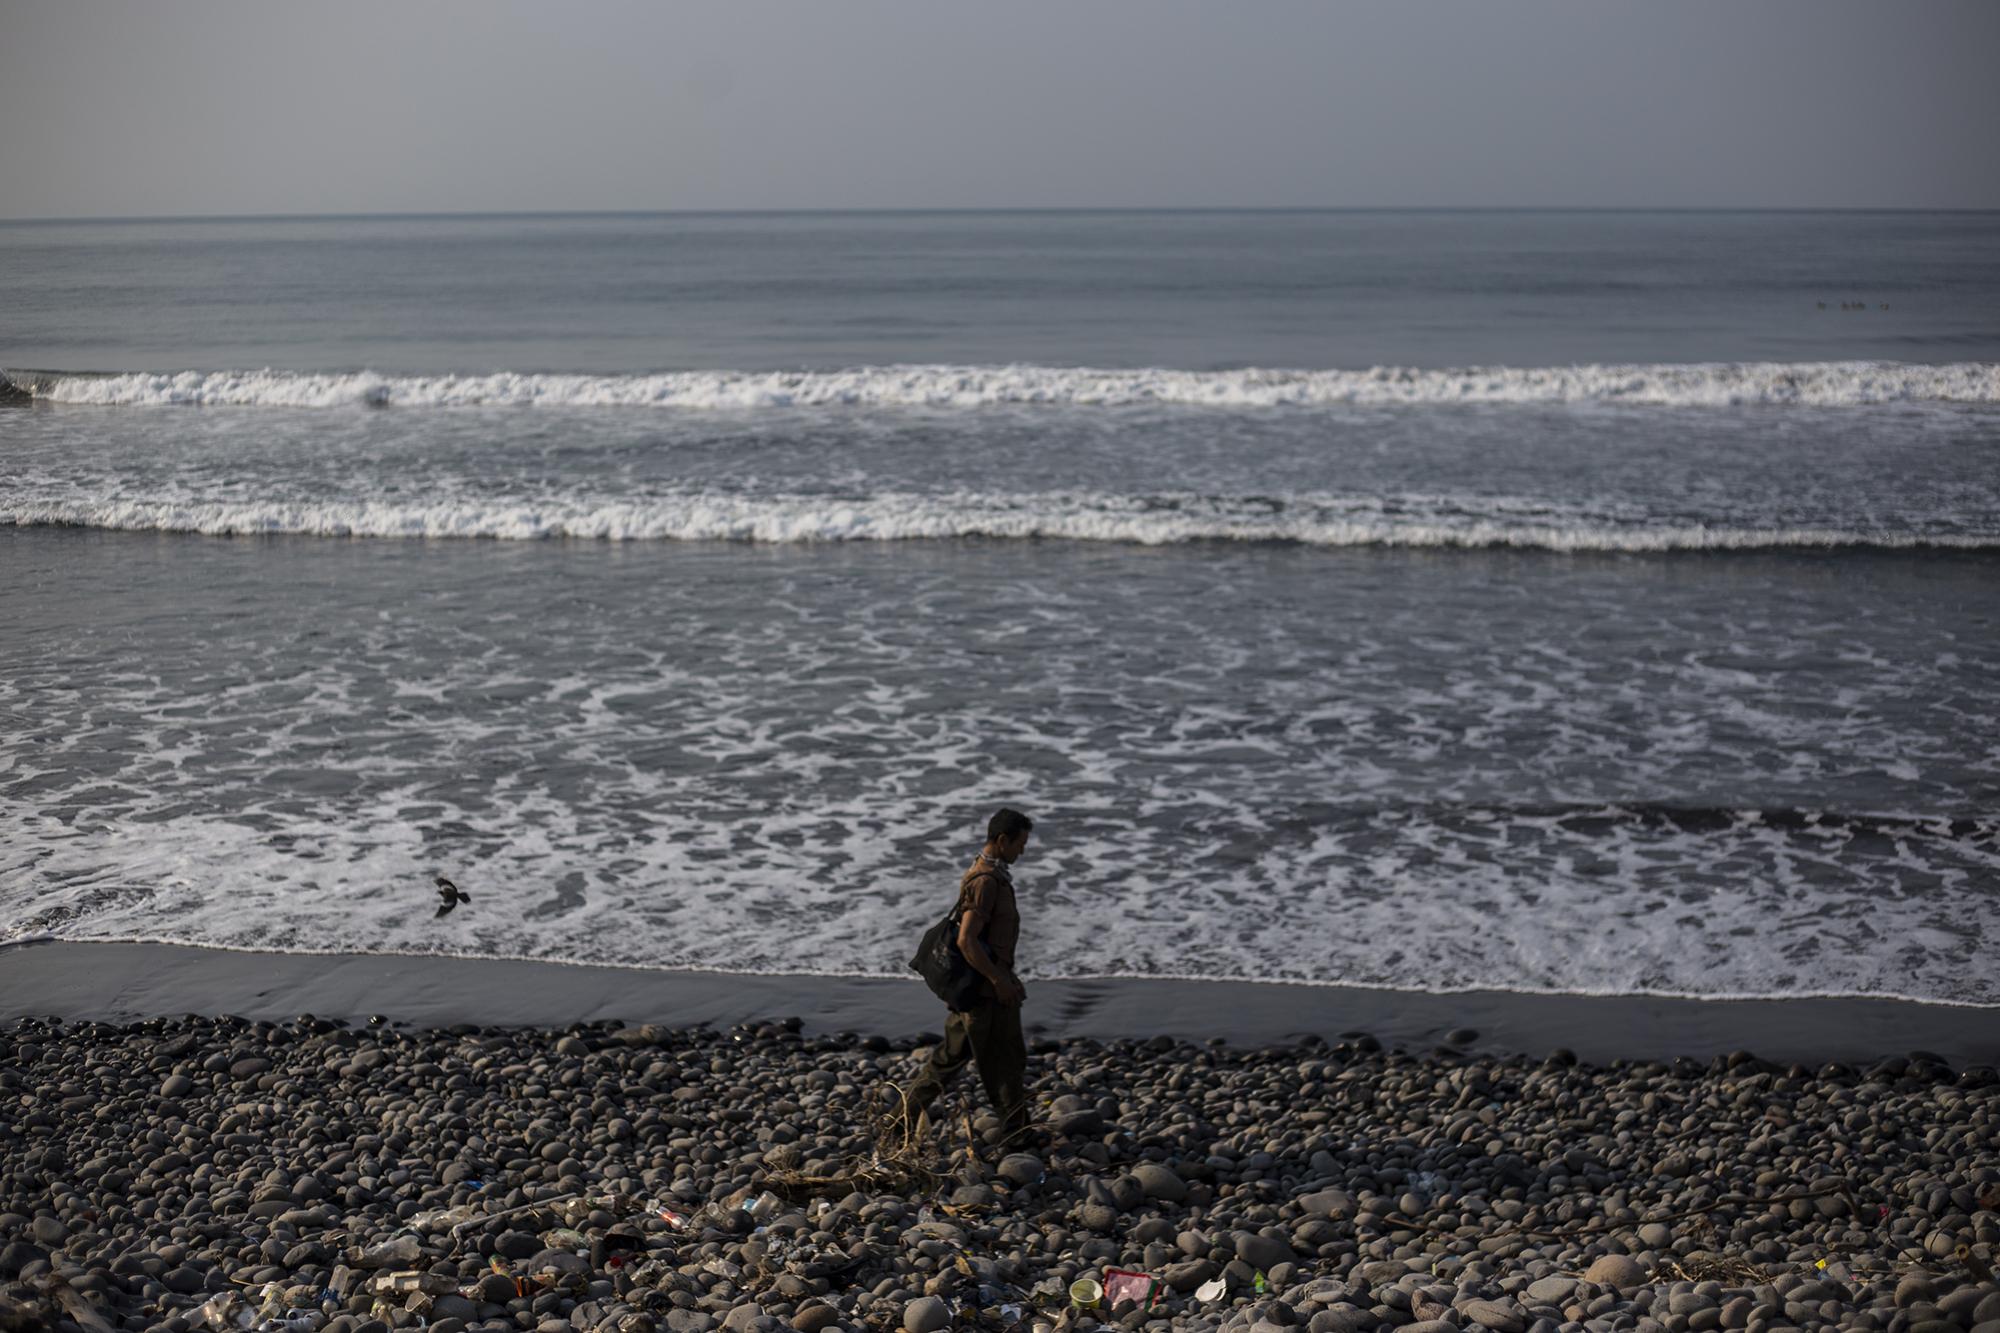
[[1717, 384]]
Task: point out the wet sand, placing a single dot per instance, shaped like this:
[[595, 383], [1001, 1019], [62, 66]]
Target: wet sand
[[124, 982]]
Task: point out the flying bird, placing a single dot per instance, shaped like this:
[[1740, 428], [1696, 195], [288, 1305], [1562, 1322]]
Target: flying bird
[[452, 895]]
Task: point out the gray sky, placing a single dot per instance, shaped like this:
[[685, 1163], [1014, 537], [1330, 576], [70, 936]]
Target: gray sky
[[203, 107]]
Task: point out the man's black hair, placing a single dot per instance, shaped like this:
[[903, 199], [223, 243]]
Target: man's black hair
[[1006, 823]]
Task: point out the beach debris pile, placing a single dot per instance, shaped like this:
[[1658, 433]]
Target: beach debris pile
[[316, 1177]]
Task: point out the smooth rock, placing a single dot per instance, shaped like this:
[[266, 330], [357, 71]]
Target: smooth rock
[[1342, 1319], [1961, 1306], [1022, 1168], [18, 1255], [1615, 1270], [517, 1245], [814, 1317], [926, 1314], [1499, 1316], [451, 1305], [1551, 1290], [1913, 1289], [1160, 1182], [1097, 1216], [1187, 1276], [1263, 1252], [741, 1318], [1328, 1203]]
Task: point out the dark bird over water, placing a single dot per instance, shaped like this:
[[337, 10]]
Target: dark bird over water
[[452, 895]]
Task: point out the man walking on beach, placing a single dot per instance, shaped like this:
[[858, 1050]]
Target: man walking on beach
[[988, 1031]]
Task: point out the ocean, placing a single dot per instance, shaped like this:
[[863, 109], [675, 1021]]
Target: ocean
[[1572, 603]]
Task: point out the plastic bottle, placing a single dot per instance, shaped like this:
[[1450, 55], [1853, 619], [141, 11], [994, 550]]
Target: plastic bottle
[[227, 1310], [299, 1321], [443, 1219], [401, 1250]]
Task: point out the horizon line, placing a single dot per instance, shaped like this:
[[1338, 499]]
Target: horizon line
[[890, 211]]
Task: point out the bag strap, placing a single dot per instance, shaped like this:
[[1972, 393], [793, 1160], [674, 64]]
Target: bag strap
[[965, 887]]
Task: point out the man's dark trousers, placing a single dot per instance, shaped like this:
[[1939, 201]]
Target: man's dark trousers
[[989, 1035]]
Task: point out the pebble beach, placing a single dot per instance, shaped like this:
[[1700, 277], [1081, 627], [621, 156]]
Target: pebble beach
[[315, 1174]]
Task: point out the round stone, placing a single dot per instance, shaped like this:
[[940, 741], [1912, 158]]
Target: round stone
[[926, 1314], [1619, 1271]]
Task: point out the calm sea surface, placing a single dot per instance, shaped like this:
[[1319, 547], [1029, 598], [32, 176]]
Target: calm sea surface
[[1568, 602]]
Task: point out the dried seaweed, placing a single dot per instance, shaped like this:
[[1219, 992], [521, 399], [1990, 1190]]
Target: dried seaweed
[[905, 1160], [1712, 1268]]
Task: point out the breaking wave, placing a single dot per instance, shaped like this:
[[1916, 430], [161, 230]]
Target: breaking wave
[[1804, 384], [1151, 520]]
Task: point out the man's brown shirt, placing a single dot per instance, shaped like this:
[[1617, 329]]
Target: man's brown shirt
[[986, 891]]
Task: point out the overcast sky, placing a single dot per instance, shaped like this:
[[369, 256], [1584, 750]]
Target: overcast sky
[[200, 107]]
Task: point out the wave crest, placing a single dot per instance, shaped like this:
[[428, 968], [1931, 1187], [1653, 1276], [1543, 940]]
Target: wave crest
[[1150, 520], [1720, 384]]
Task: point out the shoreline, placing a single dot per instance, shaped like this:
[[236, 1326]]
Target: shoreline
[[127, 981]]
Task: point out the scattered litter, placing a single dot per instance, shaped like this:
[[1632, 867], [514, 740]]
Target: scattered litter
[[444, 1219], [389, 1254], [1212, 1290], [1085, 1293], [228, 1310], [614, 1247], [431, 1284], [298, 1321]]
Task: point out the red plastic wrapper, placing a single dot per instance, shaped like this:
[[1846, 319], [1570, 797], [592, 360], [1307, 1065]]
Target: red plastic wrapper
[[1122, 1284]]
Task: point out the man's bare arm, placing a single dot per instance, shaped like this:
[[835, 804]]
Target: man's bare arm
[[970, 925]]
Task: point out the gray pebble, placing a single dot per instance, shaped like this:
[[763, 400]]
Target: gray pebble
[[926, 1314]]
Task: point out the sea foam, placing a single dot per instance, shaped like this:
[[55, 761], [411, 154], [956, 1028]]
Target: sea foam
[[1721, 384], [1145, 520]]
